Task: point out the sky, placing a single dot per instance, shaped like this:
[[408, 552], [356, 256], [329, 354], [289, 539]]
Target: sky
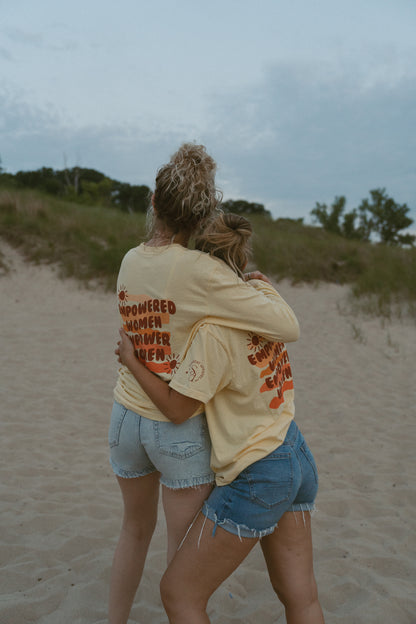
[[297, 102]]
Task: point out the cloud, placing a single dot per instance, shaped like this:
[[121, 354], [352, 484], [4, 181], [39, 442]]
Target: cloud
[[308, 132], [303, 133], [33, 136], [5, 54], [25, 37]]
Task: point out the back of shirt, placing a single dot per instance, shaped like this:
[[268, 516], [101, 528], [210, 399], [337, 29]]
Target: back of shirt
[[246, 384], [163, 291]]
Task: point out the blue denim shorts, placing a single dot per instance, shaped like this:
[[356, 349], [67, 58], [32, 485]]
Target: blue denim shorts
[[252, 504], [139, 446]]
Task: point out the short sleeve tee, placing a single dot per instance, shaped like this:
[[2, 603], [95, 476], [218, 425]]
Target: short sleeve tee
[[246, 384]]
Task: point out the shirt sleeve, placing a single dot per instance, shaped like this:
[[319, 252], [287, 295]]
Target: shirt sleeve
[[262, 311], [205, 369]]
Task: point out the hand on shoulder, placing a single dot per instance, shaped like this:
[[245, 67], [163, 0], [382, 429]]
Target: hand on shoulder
[[256, 275]]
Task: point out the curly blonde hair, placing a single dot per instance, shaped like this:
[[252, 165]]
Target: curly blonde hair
[[228, 237], [185, 195]]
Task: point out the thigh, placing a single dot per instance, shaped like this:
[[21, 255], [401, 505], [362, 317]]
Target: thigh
[[288, 555], [203, 562], [128, 456], [140, 498], [181, 507], [181, 453]]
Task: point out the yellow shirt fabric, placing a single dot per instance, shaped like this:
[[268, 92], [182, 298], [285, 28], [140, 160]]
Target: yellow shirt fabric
[[246, 383], [164, 291]]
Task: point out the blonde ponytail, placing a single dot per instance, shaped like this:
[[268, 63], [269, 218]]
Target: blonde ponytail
[[228, 237]]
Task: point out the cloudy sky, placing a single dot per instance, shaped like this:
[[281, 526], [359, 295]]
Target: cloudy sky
[[297, 101]]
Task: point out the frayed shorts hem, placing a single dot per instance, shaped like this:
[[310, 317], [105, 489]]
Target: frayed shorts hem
[[241, 530], [176, 484], [180, 484], [309, 507], [233, 527]]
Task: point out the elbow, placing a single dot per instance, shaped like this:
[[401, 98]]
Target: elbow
[[177, 419], [293, 333], [296, 334]]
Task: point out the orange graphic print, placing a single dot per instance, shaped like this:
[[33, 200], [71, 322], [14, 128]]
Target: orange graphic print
[[273, 360], [145, 320]]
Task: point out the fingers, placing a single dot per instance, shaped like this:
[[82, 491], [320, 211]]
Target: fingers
[[256, 275]]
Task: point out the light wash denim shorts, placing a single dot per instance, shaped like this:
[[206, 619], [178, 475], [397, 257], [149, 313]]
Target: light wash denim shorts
[[139, 446], [252, 504]]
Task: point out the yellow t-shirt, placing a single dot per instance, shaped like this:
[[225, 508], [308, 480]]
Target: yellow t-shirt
[[163, 291], [246, 384]]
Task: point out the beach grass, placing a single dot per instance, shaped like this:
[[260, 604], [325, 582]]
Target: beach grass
[[382, 277], [89, 242], [86, 242]]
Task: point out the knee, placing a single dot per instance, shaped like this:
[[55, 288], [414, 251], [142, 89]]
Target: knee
[[169, 594], [138, 528], [180, 604], [297, 595]]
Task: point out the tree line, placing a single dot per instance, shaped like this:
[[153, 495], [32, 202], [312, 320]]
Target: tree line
[[88, 186], [379, 215]]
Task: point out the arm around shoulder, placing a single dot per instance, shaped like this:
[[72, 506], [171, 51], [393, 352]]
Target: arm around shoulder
[[288, 323], [175, 406], [262, 310]]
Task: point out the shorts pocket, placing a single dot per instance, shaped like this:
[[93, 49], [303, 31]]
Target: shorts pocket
[[271, 480], [117, 418], [182, 441]]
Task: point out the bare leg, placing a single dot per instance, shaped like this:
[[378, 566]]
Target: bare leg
[[198, 568], [140, 498], [181, 507], [288, 554]]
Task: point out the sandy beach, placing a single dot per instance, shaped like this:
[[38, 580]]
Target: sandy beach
[[355, 384]]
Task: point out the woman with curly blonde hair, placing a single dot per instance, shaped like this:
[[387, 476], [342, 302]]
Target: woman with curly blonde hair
[[266, 477], [163, 289]]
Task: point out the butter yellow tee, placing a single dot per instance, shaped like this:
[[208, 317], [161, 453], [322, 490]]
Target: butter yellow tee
[[162, 292], [245, 381]]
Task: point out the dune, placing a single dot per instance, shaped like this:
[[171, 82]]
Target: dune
[[355, 383]]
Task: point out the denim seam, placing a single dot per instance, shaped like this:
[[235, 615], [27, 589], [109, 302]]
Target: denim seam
[[116, 439], [306, 456]]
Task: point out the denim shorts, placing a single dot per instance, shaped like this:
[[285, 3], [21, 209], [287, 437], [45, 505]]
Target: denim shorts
[[252, 504], [139, 446]]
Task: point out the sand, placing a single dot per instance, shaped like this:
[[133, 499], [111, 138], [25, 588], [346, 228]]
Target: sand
[[60, 504]]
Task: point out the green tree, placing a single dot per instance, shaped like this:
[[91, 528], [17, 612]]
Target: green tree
[[131, 198], [381, 215], [241, 206], [386, 218], [329, 218]]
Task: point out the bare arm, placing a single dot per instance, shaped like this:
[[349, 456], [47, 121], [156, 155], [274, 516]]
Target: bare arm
[[175, 406]]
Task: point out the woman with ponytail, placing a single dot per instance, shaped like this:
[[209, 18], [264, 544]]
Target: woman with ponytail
[[163, 290], [266, 477]]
